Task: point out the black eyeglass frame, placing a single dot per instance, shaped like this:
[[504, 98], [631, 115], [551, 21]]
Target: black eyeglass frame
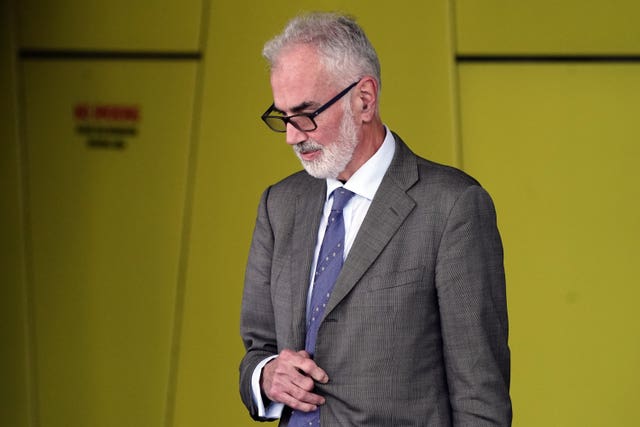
[[311, 116]]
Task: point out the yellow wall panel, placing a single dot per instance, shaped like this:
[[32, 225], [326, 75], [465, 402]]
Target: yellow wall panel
[[557, 146], [548, 27], [107, 148], [238, 157], [164, 25]]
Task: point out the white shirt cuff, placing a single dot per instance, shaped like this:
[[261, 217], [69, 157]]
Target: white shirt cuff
[[274, 410]]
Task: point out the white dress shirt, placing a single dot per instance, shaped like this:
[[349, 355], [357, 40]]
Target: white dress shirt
[[364, 183]]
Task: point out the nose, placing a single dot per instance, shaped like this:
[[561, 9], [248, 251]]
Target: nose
[[294, 135]]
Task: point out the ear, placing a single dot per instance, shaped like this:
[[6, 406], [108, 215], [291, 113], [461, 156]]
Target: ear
[[367, 99]]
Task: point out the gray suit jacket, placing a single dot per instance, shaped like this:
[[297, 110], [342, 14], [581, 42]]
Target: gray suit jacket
[[415, 332]]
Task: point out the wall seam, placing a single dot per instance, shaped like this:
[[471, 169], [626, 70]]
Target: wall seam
[[181, 285], [455, 89], [28, 261]]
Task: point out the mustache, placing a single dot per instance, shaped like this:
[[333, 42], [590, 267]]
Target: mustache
[[308, 145]]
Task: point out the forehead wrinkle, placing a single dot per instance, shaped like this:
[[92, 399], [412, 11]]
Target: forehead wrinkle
[[305, 105]]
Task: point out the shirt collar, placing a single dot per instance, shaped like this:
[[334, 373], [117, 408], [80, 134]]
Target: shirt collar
[[366, 180]]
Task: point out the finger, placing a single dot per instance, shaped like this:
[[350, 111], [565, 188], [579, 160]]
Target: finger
[[298, 405], [297, 398], [302, 381], [310, 368], [294, 391], [304, 400], [304, 354]]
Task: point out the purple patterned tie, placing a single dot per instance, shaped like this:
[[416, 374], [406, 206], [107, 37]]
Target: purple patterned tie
[[327, 270]]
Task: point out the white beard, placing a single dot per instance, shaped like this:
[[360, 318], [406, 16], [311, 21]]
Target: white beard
[[334, 157]]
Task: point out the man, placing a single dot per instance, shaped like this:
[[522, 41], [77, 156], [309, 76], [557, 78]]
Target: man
[[407, 326]]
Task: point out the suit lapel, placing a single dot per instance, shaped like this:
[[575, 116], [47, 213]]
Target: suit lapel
[[387, 212], [308, 212]]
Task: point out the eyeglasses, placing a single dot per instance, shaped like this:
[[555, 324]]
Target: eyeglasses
[[304, 121]]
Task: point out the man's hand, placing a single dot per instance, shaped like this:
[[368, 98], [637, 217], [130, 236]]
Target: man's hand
[[289, 379]]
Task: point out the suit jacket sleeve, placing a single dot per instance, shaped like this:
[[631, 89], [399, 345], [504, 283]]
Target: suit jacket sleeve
[[471, 296], [257, 324]]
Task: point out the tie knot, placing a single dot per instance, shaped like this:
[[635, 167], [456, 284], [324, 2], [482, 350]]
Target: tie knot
[[341, 197]]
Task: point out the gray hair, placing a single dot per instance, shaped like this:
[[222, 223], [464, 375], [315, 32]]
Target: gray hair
[[344, 48]]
